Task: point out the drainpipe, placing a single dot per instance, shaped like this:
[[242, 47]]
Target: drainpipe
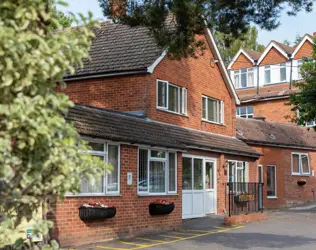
[[291, 70], [257, 66]]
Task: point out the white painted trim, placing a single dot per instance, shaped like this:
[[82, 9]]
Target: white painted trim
[[220, 105], [152, 67], [300, 167], [268, 48], [228, 79], [275, 182], [305, 38], [241, 51]]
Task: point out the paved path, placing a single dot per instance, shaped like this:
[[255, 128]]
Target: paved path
[[290, 229]]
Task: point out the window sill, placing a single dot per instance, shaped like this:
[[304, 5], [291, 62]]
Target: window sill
[[92, 195], [272, 197], [293, 174], [269, 84], [251, 87], [171, 112], [216, 123], [145, 195]]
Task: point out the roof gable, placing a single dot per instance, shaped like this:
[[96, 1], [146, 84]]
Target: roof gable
[[281, 48], [244, 52], [298, 46]]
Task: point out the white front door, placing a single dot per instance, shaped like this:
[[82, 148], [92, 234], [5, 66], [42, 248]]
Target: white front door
[[198, 187], [210, 195]]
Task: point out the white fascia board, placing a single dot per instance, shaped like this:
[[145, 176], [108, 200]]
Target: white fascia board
[[152, 67], [230, 83], [305, 38], [267, 49], [241, 51]]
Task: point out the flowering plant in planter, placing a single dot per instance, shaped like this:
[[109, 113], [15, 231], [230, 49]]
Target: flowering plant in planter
[[159, 207], [161, 202], [301, 182], [96, 211]]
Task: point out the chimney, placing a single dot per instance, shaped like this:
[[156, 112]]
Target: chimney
[[260, 118]]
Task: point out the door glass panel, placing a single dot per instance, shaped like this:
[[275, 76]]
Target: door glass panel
[[186, 173], [209, 175], [198, 174], [231, 170]]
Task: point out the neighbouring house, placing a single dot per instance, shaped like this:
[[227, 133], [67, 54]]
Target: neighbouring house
[[287, 167], [167, 127], [264, 81]]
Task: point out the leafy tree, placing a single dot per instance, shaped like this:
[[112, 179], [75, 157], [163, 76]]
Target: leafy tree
[[40, 152], [64, 20], [304, 102], [287, 42], [247, 40], [298, 38], [191, 17]]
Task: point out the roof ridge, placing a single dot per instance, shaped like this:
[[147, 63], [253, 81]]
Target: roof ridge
[[270, 122]]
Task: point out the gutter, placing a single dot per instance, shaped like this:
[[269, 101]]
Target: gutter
[[278, 145], [266, 99]]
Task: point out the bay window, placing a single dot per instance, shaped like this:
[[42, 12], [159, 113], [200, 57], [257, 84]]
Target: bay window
[[300, 164], [244, 78], [267, 74], [282, 72], [171, 97], [212, 110], [157, 172], [108, 183]]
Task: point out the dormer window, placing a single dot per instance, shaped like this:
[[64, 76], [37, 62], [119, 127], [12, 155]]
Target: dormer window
[[244, 78], [299, 65], [267, 74], [171, 97], [282, 72]]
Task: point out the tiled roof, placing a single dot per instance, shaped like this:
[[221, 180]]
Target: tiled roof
[[287, 49], [255, 55], [123, 127], [120, 48], [278, 134], [266, 95]]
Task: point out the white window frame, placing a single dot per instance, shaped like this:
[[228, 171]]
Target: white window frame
[[166, 161], [105, 154], [182, 95], [220, 112], [283, 66], [246, 170], [238, 74], [300, 167], [299, 65], [275, 182], [311, 124], [267, 68], [247, 114]]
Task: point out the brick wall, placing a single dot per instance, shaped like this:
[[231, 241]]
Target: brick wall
[[132, 215], [305, 51], [200, 77], [288, 191], [242, 62], [273, 57]]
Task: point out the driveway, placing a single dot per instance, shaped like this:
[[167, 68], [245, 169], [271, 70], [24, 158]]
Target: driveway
[[284, 229]]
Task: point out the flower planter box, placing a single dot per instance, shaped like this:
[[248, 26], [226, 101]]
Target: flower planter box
[[87, 213], [160, 209], [301, 182]]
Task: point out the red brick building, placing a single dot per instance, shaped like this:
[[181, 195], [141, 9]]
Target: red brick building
[[167, 127]]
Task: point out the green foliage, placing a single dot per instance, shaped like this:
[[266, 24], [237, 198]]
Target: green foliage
[[39, 152], [64, 20], [247, 40], [191, 17], [305, 101], [287, 42]]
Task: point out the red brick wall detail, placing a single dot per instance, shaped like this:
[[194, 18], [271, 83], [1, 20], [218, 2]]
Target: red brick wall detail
[[273, 57], [242, 62], [305, 51]]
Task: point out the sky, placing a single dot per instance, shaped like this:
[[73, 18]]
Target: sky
[[290, 27]]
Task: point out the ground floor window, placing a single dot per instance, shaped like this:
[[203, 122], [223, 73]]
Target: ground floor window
[[109, 182], [157, 172], [271, 181], [300, 164], [237, 171]]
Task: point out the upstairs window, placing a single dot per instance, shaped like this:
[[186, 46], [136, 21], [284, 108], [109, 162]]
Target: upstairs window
[[300, 164], [267, 74], [282, 72], [212, 110], [244, 78], [157, 172], [245, 112], [108, 183], [171, 97], [299, 65]]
